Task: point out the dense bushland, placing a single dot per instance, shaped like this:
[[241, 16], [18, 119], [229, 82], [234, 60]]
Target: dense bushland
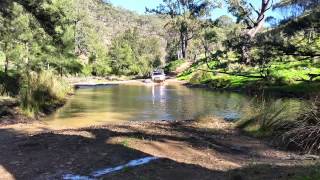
[[42, 43], [283, 58]]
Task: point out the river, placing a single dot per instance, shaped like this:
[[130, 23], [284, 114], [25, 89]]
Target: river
[[114, 103]]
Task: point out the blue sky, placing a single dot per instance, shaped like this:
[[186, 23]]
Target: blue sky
[[140, 5]]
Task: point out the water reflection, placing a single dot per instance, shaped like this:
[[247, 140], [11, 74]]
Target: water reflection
[[94, 106]]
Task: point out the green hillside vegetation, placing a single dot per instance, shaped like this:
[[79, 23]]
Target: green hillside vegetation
[[72, 38], [286, 59]]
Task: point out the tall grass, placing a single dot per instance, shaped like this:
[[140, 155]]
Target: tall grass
[[43, 92], [266, 116], [291, 128], [304, 132]]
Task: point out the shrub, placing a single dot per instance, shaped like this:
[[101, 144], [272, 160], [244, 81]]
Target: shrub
[[220, 82], [304, 132], [42, 92], [200, 77], [265, 118], [173, 65], [297, 129], [269, 115]]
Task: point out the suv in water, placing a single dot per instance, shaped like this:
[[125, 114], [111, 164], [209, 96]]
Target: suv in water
[[158, 76]]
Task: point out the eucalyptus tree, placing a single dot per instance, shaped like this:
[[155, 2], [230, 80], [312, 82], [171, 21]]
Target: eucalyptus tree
[[297, 6], [252, 18], [184, 16]]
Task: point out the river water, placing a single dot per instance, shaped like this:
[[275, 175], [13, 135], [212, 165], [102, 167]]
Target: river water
[[114, 103]]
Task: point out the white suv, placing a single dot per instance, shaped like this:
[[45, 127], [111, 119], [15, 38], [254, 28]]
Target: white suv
[[158, 76]]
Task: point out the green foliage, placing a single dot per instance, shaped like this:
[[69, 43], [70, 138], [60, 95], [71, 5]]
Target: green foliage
[[265, 119], [271, 118], [201, 77], [314, 174], [40, 92], [173, 65], [296, 128], [184, 23], [130, 54]]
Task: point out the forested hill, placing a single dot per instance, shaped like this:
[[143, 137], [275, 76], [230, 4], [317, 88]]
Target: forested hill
[[110, 21], [116, 20], [100, 23], [79, 37]]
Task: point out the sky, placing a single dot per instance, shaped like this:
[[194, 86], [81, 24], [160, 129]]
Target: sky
[[140, 5]]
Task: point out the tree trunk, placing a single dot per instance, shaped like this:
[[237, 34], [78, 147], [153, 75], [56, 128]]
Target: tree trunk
[[248, 38], [257, 28], [6, 66], [183, 45]]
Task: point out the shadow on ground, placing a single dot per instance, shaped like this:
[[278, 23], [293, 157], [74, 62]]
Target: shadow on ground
[[49, 155]]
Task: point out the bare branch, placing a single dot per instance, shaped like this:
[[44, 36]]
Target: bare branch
[[254, 9]]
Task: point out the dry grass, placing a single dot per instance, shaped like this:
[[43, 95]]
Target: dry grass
[[294, 129], [304, 132]]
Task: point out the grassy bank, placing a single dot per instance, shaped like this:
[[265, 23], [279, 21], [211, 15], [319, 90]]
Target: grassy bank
[[293, 129], [34, 95], [173, 65], [43, 93], [284, 78]]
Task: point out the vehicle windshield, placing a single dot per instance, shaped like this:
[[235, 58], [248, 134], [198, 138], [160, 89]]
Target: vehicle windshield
[[157, 73]]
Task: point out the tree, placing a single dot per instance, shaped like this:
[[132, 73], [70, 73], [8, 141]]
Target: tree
[[244, 12], [133, 54], [224, 21], [297, 6], [184, 15]]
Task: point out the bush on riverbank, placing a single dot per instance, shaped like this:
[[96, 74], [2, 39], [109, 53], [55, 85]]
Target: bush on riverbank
[[304, 132], [43, 92], [173, 65], [297, 129]]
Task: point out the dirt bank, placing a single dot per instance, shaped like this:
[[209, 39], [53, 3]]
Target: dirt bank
[[202, 149], [10, 112]]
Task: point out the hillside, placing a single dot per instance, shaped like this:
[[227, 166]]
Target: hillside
[[104, 22]]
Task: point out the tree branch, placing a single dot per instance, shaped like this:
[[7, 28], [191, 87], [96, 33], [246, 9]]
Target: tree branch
[[254, 9]]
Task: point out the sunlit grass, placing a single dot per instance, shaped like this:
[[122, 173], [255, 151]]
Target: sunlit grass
[[43, 91], [284, 77]]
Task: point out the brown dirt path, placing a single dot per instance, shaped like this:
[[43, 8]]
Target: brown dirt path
[[203, 149]]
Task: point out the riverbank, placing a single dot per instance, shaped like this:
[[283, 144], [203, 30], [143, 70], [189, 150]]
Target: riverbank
[[201, 149], [301, 90], [281, 79], [10, 112]]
